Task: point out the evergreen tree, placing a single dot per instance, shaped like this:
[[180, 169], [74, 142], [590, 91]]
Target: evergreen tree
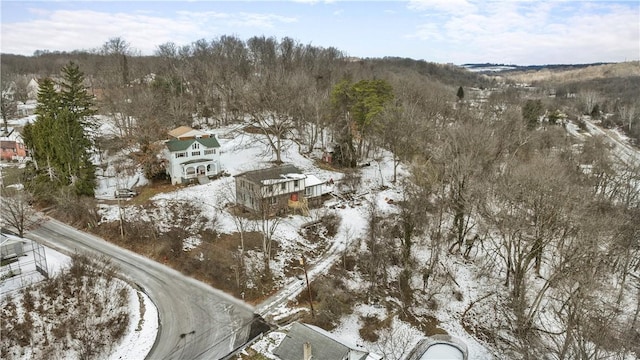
[[75, 97], [531, 112], [595, 112], [358, 105], [59, 138], [39, 137], [460, 94]]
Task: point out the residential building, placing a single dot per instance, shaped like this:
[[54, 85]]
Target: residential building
[[32, 89], [191, 155], [306, 342], [277, 189], [12, 146]]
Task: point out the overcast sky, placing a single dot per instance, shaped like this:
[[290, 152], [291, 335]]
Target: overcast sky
[[444, 31]]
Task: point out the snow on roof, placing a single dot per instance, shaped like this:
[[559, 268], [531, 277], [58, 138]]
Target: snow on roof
[[312, 180], [10, 135], [293, 176]]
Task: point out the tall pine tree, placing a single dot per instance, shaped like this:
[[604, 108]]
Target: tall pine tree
[[60, 136]]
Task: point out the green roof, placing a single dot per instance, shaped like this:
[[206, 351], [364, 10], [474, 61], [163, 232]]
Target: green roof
[[181, 145]]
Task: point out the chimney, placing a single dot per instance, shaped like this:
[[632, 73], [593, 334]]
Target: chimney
[[306, 351]]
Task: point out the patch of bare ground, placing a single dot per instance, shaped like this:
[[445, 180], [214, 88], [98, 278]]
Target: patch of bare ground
[[215, 260]]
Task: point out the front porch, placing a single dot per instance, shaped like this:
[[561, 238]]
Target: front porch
[[192, 170]]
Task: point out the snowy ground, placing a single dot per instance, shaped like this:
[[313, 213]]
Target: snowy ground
[[143, 327]]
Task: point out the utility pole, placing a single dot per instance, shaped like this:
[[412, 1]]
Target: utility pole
[[304, 268]]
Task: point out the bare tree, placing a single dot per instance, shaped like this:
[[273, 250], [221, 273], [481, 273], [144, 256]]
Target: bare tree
[[469, 152], [529, 219], [589, 99], [394, 125], [16, 210], [628, 114], [241, 221], [8, 106], [394, 343], [269, 104]]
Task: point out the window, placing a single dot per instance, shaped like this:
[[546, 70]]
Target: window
[[210, 152], [272, 200], [283, 186], [295, 183], [270, 188], [308, 191], [181, 154], [196, 145], [195, 153]]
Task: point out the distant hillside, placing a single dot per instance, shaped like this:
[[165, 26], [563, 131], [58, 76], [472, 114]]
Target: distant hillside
[[448, 74], [492, 68], [571, 73]]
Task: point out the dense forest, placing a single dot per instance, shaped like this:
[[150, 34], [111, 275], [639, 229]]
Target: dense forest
[[550, 220]]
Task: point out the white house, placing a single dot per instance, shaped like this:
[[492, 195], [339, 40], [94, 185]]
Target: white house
[[32, 89], [191, 154]]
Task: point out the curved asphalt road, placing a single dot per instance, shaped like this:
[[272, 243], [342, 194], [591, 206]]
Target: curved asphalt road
[[196, 320]]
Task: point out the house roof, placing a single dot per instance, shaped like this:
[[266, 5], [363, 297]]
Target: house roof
[[196, 161], [180, 145], [312, 180], [274, 173], [323, 347], [185, 132], [179, 131], [10, 135]]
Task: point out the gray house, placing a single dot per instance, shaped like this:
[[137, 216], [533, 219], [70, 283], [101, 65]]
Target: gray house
[[307, 342], [277, 189]]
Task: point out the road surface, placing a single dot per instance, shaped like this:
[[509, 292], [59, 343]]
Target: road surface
[[196, 320], [625, 152]]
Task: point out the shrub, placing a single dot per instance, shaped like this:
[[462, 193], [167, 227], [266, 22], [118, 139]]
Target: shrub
[[331, 222], [371, 326]]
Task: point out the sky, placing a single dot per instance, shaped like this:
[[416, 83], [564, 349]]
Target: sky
[[521, 32]]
